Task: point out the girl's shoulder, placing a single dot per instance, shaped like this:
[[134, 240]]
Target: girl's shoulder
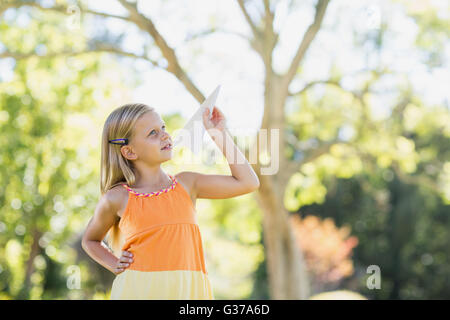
[[118, 196], [186, 178]]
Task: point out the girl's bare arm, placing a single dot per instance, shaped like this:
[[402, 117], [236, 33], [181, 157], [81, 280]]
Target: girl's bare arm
[[104, 217], [242, 180]]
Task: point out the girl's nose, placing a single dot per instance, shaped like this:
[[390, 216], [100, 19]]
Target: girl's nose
[[166, 136]]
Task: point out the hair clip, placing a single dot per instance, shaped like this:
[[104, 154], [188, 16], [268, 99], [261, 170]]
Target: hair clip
[[124, 141]]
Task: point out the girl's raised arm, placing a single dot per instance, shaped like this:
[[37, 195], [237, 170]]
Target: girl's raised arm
[[212, 186]]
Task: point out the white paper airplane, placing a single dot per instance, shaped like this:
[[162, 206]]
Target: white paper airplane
[[191, 135]]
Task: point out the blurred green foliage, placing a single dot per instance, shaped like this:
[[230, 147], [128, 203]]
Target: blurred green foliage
[[390, 182], [51, 116]]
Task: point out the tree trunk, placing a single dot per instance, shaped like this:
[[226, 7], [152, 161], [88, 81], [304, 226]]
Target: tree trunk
[[35, 250], [288, 278]]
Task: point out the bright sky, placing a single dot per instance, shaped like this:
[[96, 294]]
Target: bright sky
[[228, 60]]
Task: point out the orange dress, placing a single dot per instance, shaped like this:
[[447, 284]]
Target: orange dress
[[161, 230]]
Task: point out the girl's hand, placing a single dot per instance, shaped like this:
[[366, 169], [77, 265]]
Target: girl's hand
[[124, 262], [217, 121]]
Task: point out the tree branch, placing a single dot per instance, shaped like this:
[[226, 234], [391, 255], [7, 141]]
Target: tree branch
[[250, 22], [269, 15], [309, 36], [374, 73], [270, 37], [57, 8], [313, 83], [99, 48], [146, 25], [294, 166], [215, 30], [358, 95], [420, 180]]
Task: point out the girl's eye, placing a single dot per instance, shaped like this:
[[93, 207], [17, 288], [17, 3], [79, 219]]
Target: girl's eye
[[164, 127]]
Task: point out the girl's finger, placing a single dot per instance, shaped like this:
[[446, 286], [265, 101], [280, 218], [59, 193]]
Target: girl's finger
[[125, 259], [218, 112]]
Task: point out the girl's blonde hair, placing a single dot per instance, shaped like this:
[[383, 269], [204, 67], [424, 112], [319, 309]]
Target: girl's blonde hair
[[115, 168]]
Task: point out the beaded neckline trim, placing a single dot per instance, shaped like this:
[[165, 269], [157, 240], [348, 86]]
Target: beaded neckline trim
[[156, 193]]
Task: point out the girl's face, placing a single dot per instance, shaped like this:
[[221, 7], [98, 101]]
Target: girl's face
[[149, 138]]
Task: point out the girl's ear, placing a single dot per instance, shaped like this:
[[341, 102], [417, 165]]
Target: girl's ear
[[128, 153]]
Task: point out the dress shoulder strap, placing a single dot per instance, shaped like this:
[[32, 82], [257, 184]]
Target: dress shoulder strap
[[156, 193]]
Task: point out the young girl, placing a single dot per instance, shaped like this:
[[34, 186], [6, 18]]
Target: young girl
[[150, 215]]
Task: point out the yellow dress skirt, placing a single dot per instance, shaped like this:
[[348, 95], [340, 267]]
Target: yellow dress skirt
[[161, 285]]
